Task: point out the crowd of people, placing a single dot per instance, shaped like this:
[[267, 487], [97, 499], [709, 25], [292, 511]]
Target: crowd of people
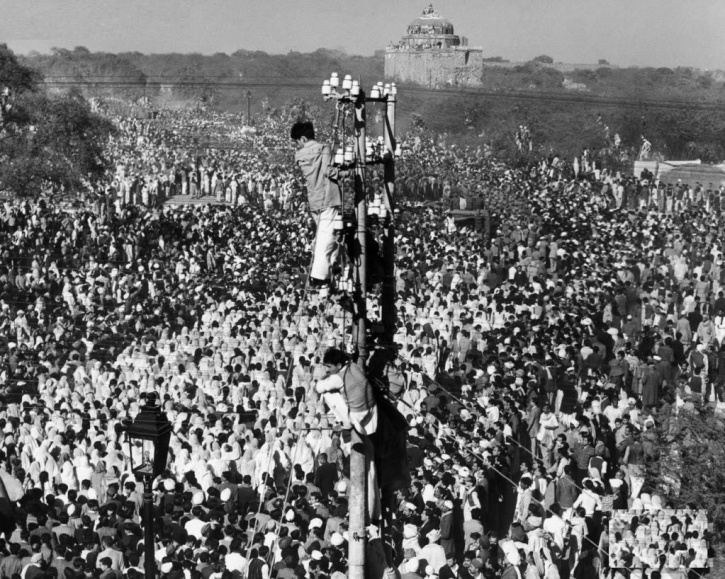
[[165, 154], [652, 537], [537, 359]]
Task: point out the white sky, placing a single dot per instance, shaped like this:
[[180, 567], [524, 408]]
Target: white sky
[[625, 32]]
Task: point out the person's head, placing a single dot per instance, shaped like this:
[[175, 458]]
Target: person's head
[[334, 360], [301, 132]]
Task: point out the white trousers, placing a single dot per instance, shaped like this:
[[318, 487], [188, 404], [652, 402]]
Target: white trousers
[[348, 419], [325, 250], [369, 419]]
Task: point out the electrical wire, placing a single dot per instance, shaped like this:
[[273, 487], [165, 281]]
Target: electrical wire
[[529, 95]]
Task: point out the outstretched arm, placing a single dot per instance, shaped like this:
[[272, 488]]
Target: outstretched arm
[[332, 383]]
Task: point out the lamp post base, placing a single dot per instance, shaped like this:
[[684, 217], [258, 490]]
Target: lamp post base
[[148, 531]]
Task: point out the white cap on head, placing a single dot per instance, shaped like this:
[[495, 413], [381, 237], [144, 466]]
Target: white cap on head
[[336, 539]]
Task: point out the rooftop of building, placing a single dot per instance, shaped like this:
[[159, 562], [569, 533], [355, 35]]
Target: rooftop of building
[[431, 19]]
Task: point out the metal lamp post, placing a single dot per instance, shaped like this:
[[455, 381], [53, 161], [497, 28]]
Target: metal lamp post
[[148, 441], [348, 92], [249, 108]]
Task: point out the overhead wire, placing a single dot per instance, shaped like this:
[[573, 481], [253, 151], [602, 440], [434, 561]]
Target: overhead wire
[[461, 92]]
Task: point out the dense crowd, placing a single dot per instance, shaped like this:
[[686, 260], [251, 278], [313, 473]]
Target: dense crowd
[[538, 355], [650, 536], [200, 155]]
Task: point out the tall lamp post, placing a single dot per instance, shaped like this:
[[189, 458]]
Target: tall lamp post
[[357, 156], [148, 443], [249, 108]]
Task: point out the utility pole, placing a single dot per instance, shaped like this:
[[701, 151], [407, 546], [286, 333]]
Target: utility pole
[[351, 94], [148, 530], [358, 460], [361, 208], [389, 286]]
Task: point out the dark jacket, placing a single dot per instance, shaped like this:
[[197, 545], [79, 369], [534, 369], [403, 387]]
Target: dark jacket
[[566, 492]]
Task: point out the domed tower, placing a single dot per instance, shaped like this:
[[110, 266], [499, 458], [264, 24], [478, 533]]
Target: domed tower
[[430, 30], [431, 54]]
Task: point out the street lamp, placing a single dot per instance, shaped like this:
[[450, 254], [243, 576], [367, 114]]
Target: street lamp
[[148, 444], [356, 155], [249, 108]]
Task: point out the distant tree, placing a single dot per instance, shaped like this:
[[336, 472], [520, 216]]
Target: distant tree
[[705, 81], [543, 58], [46, 141], [61, 52], [603, 62], [604, 72]]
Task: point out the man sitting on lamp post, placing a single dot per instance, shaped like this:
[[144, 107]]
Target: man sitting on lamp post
[[348, 393], [323, 196]]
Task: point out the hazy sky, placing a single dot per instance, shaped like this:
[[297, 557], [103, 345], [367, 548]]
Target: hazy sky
[[625, 32]]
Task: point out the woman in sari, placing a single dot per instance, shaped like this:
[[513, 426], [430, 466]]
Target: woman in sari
[[302, 454], [84, 470], [182, 464], [45, 461], [248, 461], [68, 476], [201, 471], [98, 480]]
